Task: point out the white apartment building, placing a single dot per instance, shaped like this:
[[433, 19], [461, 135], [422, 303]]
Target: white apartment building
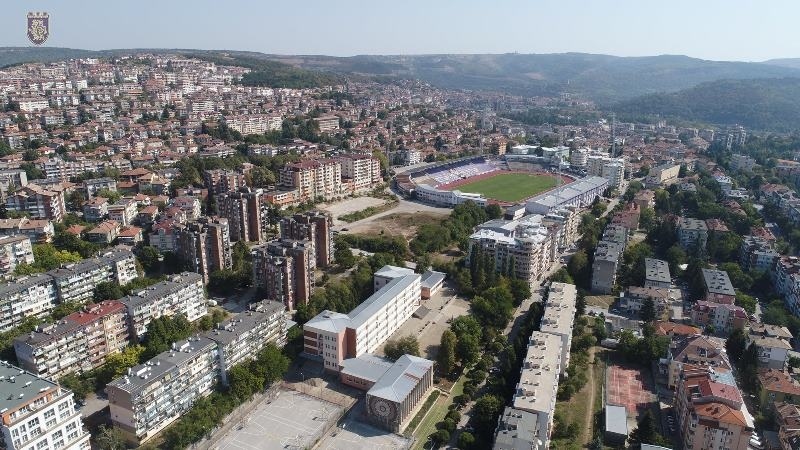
[[254, 123], [154, 394], [123, 212], [579, 157], [559, 317], [525, 246], [313, 179], [37, 413], [180, 294], [692, 233], [76, 282], [334, 337], [14, 250], [363, 170], [538, 383], [241, 338], [31, 296], [79, 342], [772, 344]]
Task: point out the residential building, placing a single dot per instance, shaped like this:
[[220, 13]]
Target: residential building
[[254, 123], [559, 317], [516, 430], [39, 231], [91, 186], [645, 199], [77, 343], [243, 209], [327, 123], [180, 294], [612, 169], [124, 211], [786, 280], [607, 255], [566, 221], [105, 232], [220, 181], [635, 297], [742, 162], [722, 318], [204, 245], [241, 338], [538, 383], [757, 254], [777, 386], [787, 418], [772, 342], [39, 202], [656, 274], [12, 179], [363, 171], [95, 209], [76, 282], [718, 287], [525, 246], [313, 179], [315, 227], [697, 351], [692, 234], [28, 296], [38, 413], [284, 270], [711, 412], [154, 394], [673, 330], [333, 337], [14, 250]]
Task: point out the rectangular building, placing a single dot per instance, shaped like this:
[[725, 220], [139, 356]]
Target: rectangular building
[[14, 250], [76, 282], [692, 234], [718, 287], [37, 413], [656, 274], [538, 384], [559, 317], [284, 270], [180, 294], [204, 245], [29, 296], [243, 209], [315, 227], [393, 398]]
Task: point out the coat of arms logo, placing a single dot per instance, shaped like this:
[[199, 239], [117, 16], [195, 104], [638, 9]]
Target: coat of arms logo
[[38, 27]]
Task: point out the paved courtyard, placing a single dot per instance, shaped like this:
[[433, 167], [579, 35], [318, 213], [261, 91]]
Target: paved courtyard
[[354, 435], [443, 306], [290, 421]]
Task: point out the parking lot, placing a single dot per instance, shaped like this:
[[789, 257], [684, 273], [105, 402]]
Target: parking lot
[[290, 421]]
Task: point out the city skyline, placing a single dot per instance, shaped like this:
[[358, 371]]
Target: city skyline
[[715, 30]]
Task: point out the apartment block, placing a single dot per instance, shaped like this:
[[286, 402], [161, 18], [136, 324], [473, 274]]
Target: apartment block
[[254, 123], [315, 227], [656, 274], [12, 179], [95, 209], [333, 337], [566, 221], [220, 181], [327, 123], [39, 202], [154, 394], [363, 171], [538, 384], [124, 211], [91, 186], [77, 343], [724, 318], [243, 209], [241, 338], [711, 412], [607, 255], [772, 342], [38, 413], [743, 163], [612, 169], [284, 270], [76, 282], [180, 294], [559, 317], [635, 297], [14, 250], [525, 246], [692, 234], [29, 296], [786, 280], [757, 254], [695, 351], [718, 287], [516, 430], [204, 245], [313, 179]]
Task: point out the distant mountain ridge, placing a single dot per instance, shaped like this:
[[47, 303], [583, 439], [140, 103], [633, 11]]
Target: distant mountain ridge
[[764, 104]]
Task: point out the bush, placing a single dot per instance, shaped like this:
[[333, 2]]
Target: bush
[[454, 415]]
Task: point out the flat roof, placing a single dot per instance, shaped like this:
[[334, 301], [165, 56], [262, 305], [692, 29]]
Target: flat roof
[[617, 419], [370, 306], [431, 278], [717, 282], [366, 367], [158, 290], [559, 311], [656, 270], [516, 430], [400, 379], [18, 387], [538, 381]]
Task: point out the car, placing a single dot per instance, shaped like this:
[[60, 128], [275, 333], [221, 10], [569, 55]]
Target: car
[[345, 229], [494, 370]]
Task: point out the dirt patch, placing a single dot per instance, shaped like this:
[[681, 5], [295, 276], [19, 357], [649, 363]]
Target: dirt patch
[[405, 224], [602, 301]]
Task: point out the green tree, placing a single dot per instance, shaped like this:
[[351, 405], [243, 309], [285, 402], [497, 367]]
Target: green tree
[[735, 345], [468, 349], [110, 438], [149, 258], [407, 345], [243, 382], [646, 431], [344, 256], [648, 311], [447, 353], [494, 211], [466, 440], [485, 412], [107, 290], [520, 290]]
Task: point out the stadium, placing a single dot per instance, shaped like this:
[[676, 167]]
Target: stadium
[[480, 179]]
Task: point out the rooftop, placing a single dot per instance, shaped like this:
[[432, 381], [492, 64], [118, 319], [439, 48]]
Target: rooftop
[[656, 270], [616, 420], [539, 374], [717, 282], [19, 387], [366, 367], [400, 379]]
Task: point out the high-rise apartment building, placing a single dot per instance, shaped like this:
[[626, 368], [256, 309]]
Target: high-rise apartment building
[[14, 250], [313, 179], [243, 209], [315, 227], [364, 171], [204, 245], [284, 269]]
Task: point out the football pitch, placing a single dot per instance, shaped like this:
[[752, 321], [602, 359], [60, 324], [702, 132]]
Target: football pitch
[[510, 187]]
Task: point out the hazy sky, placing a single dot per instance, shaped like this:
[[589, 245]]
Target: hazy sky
[[710, 29]]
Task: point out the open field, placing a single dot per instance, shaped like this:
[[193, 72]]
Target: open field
[[583, 405], [404, 223], [510, 187]]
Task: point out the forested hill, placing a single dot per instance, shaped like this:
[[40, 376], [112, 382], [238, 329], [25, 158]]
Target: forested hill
[[765, 104]]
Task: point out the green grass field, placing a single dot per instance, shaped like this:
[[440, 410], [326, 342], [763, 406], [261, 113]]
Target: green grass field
[[510, 187]]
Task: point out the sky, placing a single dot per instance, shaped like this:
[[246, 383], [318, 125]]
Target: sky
[[741, 30]]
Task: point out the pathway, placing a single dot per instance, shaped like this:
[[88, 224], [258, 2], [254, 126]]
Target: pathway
[[589, 421]]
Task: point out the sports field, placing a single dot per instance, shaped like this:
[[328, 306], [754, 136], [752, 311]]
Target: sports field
[[510, 187]]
